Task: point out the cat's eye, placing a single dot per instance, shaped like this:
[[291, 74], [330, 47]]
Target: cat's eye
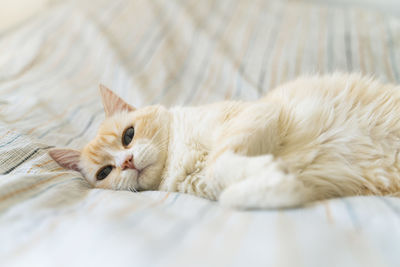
[[104, 172], [127, 136]]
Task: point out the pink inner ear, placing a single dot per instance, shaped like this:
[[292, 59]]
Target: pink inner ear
[[113, 103], [66, 158]]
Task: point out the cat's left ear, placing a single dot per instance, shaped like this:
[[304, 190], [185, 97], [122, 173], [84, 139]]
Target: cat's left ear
[[113, 103], [67, 158]]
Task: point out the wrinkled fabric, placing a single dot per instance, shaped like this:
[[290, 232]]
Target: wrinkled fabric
[[174, 53]]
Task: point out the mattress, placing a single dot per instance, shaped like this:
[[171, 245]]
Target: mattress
[[174, 53]]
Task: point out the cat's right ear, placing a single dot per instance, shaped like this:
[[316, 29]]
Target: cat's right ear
[[113, 103], [67, 158]]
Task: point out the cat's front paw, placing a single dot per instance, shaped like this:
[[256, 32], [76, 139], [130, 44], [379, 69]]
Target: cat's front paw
[[234, 197], [258, 193]]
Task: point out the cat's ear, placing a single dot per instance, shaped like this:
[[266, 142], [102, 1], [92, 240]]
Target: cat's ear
[[67, 158], [113, 103]]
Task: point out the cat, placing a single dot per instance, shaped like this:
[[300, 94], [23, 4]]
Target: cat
[[311, 139]]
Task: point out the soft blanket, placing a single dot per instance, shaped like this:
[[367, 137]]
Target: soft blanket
[[174, 52]]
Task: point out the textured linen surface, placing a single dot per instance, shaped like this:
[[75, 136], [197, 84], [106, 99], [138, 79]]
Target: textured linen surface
[[174, 52]]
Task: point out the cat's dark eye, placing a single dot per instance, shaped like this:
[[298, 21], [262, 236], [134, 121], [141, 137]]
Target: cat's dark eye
[[127, 136], [104, 172]]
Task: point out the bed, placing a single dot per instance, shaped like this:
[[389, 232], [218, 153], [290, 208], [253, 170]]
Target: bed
[[177, 52]]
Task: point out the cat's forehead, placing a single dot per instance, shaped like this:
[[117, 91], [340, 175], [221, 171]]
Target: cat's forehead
[[121, 119], [116, 122], [97, 150]]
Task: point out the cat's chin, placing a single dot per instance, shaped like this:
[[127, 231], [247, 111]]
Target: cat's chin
[[139, 176], [150, 177]]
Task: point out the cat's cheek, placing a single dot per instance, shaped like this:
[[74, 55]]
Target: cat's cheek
[[112, 181], [104, 184], [89, 177], [150, 178]]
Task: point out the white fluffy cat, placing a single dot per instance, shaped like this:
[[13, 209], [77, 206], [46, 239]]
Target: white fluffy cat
[[310, 139]]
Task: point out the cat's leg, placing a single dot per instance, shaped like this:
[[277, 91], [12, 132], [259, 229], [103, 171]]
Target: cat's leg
[[257, 182]]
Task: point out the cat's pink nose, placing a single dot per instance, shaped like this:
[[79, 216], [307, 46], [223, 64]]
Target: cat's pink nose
[[128, 163]]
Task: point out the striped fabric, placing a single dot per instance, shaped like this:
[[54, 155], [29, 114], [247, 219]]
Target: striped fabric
[[174, 52]]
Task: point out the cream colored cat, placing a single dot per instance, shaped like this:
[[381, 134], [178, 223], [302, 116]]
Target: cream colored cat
[[310, 139]]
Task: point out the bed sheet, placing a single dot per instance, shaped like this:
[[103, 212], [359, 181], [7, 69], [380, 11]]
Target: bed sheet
[[174, 53]]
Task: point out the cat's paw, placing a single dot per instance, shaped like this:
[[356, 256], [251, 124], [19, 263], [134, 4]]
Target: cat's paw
[[259, 193]]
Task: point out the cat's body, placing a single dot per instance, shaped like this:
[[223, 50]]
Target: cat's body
[[311, 139]]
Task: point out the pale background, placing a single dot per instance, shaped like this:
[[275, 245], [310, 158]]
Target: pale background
[[13, 12]]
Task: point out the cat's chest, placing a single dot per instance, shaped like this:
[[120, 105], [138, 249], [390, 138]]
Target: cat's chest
[[187, 162]]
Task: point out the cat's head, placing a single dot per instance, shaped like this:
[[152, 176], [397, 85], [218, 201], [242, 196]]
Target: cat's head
[[129, 150]]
